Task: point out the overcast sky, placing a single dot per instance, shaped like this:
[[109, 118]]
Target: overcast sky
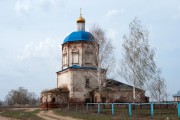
[[32, 31]]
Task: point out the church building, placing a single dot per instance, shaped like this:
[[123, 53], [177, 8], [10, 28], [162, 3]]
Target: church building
[[78, 79], [79, 63]]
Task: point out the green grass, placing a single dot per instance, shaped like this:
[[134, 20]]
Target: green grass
[[21, 114], [82, 114], [91, 114], [120, 114]]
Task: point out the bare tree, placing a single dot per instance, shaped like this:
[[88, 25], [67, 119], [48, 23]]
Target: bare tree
[[103, 48], [137, 65], [103, 54], [157, 88], [21, 96], [33, 99], [18, 96]]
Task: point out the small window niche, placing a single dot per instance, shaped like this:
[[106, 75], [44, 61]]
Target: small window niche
[[87, 84], [64, 57], [53, 100], [88, 54]]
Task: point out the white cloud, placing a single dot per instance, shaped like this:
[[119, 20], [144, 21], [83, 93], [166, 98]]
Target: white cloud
[[112, 13], [112, 34], [22, 6], [43, 50], [47, 5], [25, 6]]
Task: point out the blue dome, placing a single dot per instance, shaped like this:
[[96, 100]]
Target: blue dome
[[79, 36]]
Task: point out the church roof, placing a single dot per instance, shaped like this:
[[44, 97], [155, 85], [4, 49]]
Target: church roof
[[82, 67], [111, 83], [79, 36], [79, 67], [55, 90], [177, 95]]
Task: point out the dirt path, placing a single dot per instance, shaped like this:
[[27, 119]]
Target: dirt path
[[6, 118], [26, 109], [49, 115]]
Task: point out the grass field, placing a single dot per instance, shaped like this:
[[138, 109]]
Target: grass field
[[120, 114], [20, 114], [91, 114]]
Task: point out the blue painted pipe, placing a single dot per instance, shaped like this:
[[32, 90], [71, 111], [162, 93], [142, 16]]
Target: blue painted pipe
[[99, 108], [178, 109], [130, 110], [113, 109], [152, 110]]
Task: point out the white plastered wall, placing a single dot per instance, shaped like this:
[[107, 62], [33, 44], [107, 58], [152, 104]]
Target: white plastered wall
[[64, 80]]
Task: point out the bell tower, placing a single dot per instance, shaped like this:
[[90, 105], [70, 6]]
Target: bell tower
[[78, 48]]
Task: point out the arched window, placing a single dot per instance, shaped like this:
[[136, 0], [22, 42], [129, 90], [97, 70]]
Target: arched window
[[75, 56]]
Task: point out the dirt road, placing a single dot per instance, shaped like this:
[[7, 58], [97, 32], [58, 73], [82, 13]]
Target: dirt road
[[49, 115], [6, 118]]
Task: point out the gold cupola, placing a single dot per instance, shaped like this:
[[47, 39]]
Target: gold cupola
[[80, 19], [80, 23]]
